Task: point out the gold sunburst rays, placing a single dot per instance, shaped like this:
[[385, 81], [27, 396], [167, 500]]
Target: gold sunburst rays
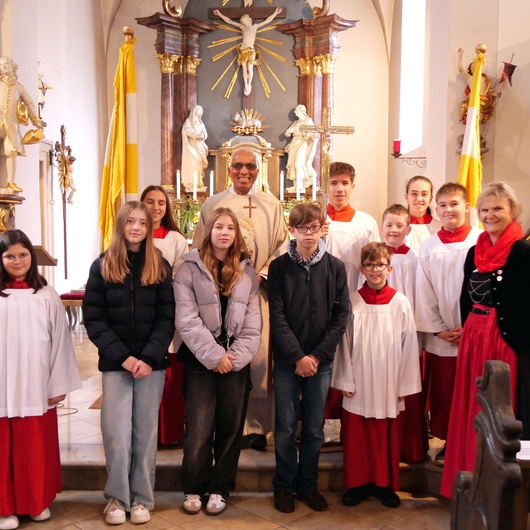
[[226, 2], [280, 58], [259, 45]]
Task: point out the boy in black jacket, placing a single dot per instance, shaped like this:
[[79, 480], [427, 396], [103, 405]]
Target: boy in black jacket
[[309, 306]]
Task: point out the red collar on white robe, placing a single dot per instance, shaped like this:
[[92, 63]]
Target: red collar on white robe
[[457, 236], [403, 249], [373, 297], [423, 220], [161, 232], [344, 215]]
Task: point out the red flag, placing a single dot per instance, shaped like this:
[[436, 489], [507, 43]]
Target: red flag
[[507, 72]]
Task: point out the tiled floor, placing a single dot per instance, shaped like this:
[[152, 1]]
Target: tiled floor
[[81, 440]]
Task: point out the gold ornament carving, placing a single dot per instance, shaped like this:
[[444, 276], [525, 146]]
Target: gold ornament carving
[[321, 11], [166, 62], [326, 63], [178, 64], [191, 65], [172, 11]]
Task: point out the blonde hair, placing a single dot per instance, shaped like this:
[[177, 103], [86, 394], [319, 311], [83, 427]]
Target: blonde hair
[[115, 263], [231, 271], [501, 190]]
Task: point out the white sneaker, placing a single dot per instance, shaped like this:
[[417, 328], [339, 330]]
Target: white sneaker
[[192, 503], [139, 514], [114, 512], [10, 522], [45, 514], [216, 504]]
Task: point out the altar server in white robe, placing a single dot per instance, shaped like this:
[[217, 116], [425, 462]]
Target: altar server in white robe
[[349, 230], [264, 230], [376, 365], [37, 369], [395, 228], [438, 284]]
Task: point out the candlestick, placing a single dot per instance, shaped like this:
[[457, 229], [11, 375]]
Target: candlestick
[[297, 189], [282, 184], [212, 191], [178, 184], [195, 185], [314, 194]]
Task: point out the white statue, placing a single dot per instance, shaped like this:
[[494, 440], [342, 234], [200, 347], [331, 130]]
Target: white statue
[[15, 106], [247, 56], [301, 152], [194, 150]]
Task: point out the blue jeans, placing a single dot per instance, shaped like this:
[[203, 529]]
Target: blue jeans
[[129, 425], [305, 398]]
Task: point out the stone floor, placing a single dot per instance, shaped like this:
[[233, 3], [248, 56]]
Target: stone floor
[[81, 446]]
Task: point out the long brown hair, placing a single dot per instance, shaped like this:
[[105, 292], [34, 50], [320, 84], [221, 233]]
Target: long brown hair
[[167, 221], [33, 278], [231, 271], [115, 264]]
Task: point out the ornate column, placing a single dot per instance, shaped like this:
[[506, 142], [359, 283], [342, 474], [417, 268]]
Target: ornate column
[[316, 50], [177, 47]]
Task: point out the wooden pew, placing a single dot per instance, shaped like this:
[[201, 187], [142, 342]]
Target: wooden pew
[[485, 498]]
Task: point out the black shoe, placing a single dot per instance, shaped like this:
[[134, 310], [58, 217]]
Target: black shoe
[[387, 497], [258, 442], [314, 500], [353, 496], [284, 501]]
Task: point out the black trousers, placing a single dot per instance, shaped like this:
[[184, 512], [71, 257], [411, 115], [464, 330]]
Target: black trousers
[[215, 407]]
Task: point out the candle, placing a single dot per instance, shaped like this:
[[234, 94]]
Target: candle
[[212, 191], [195, 185], [396, 147], [314, 195], [178, 184], [282, 184], [297, 184]]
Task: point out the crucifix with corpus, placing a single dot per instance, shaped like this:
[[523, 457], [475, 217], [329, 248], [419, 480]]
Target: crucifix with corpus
[[248, 52], [326, 130]]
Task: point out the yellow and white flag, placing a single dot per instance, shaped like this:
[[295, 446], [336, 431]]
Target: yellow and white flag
[[120, 172], [470, 170]]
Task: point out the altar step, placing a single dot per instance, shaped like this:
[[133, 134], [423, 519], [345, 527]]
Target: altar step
[[83, 468]]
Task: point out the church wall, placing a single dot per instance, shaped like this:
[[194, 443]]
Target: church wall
[[512, 124], [361, 100], [501, 25], [69, 40]]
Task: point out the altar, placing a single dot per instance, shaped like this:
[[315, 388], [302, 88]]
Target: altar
[[192, 73]]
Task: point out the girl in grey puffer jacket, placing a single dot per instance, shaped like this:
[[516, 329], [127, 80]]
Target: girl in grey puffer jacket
[[218, 317]]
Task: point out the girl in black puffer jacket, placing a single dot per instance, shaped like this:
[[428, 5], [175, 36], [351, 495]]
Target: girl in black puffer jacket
[[129, 313]]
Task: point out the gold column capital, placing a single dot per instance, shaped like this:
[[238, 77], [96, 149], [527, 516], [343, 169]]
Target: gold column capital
[[167, 62], [192, 64], [178, 64], [326, 63], [308, 66]]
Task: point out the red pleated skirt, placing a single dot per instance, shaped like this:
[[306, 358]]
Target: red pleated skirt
[[30, 466], [481, 341]]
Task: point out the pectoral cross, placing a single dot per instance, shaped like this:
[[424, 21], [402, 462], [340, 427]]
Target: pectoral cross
[[325, 131], [250, 207]]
